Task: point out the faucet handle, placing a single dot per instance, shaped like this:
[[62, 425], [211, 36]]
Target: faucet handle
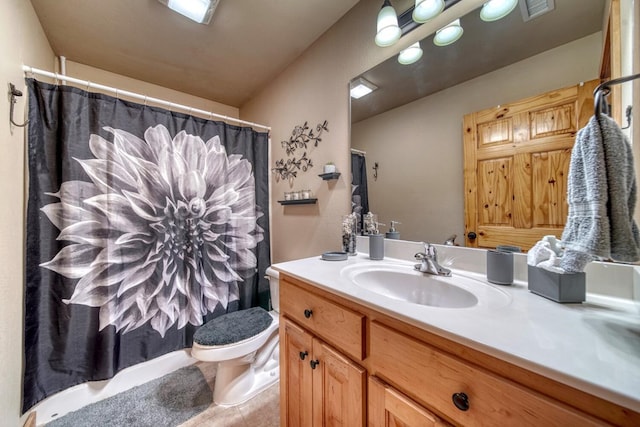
[[430, 250]]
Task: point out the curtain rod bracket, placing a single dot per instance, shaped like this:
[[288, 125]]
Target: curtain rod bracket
[[14, 93]]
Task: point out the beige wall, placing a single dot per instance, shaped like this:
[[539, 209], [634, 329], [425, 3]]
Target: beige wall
[[313, 89], [419, 146], [22, 41], [107, 78]]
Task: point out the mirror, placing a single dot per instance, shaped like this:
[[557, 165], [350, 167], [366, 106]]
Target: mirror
[[411, 126]]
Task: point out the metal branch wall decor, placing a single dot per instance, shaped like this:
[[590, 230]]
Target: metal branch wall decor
[[302, 138]]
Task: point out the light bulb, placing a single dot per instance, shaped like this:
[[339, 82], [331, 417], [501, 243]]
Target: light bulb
[[497, 9], [388, 31], [449, 34], [411, 54], [425, 10]]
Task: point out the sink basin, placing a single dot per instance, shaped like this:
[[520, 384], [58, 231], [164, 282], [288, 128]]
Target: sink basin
[[401, 282]]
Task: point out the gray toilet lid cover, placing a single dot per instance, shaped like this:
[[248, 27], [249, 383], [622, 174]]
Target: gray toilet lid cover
[[233, 327]]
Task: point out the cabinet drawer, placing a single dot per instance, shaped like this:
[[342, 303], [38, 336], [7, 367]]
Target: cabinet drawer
[[340, 326], [433, 377], [390, 408]]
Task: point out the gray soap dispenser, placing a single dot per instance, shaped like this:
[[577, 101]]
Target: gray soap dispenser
[[393, 233]]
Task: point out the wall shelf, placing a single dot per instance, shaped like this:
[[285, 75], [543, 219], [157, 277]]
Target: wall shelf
[[298, 202], [329, 176]]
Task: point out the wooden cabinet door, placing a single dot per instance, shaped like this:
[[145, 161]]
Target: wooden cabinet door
[[338, 389], [296, 377], [516, 164], [390, 408]]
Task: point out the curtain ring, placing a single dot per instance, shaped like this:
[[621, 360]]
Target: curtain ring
[[88, 86], [57, 81], [210, 115], [145, 100], [117, 93]]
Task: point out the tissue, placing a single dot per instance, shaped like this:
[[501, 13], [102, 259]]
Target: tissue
[[547, 254]]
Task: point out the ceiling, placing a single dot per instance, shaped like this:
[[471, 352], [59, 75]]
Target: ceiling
[[246, 45], [484, 47]]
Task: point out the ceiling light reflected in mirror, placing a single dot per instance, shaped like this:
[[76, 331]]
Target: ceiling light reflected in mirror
[[448, 34], [411, 54], [361, 87], [388, 31], [497, 9], [426, 10]]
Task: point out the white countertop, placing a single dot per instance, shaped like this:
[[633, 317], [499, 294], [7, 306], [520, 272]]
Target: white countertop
[[593, 346]]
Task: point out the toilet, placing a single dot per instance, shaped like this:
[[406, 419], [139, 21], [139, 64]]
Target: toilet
[[245, 345]]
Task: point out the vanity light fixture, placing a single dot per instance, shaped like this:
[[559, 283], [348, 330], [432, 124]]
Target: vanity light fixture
[[448, 34], [361, 87], [425, 10], [388, 31], [410, 54], [497, 9], [200, 11]]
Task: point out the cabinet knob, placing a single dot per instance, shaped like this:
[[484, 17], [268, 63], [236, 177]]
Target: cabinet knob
[[461, 401], [472, 235], [314, 363], [308, 313], [303, 354]]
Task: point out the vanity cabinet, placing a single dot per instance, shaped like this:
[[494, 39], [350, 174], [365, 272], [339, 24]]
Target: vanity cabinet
[[376, 368], [319, 385], [390, 408], [466, 394], [296, 376]]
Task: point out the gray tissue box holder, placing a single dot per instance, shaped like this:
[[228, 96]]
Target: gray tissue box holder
[[568, 287]]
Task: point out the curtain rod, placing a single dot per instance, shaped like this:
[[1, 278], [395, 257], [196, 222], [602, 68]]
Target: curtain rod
[[88, 84], [356, 151]]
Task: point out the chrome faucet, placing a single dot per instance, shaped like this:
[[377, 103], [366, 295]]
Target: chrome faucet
[[429, 262], [451, 240]]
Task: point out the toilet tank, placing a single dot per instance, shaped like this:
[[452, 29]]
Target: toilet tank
[[274, 287]]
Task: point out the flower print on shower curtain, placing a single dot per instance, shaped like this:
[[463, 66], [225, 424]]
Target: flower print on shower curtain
[[163, 233]]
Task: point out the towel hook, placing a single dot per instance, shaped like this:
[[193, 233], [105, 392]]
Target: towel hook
[[602, 91], [14, 93]]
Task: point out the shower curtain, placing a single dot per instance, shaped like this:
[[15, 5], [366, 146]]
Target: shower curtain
[[359, 194], [142, 224]]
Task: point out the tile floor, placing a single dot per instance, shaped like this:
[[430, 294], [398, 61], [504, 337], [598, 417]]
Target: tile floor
[[263, 410]]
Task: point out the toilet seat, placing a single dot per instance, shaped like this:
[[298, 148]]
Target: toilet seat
[[218, 353]]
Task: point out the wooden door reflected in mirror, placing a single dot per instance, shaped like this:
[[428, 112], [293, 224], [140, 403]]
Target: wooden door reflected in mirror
[[516, 164]]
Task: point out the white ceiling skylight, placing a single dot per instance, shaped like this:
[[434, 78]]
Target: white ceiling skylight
[[200, 11]]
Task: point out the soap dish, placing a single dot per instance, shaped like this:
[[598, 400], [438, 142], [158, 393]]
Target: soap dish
[[334, 256]]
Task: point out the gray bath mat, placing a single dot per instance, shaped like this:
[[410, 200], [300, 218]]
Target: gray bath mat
[[167, 401]]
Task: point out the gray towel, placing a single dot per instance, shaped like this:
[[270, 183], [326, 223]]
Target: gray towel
[[601, 197]]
